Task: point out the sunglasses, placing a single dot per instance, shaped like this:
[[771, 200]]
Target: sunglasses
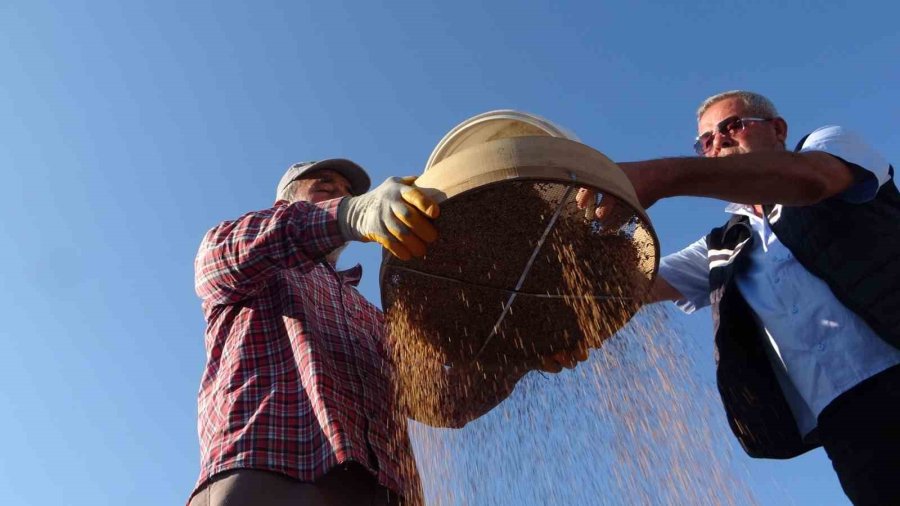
[[728, 126]]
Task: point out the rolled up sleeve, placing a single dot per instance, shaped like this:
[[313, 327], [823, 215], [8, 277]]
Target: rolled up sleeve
[[871, 170], [688, 272]]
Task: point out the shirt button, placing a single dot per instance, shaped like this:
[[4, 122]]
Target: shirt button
[[795, 309], [821, 346], [777, 279]]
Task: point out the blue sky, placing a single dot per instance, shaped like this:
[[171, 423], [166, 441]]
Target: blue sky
[[130, 128]]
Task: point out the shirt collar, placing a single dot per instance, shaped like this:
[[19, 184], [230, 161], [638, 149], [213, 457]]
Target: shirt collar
[[733, 208], [352, 275], [747, 210], [741, 209]]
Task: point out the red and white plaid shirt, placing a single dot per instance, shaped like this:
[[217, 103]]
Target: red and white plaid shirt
[[296, 379]]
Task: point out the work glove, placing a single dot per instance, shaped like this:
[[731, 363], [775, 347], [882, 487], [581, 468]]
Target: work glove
[[395, 215]]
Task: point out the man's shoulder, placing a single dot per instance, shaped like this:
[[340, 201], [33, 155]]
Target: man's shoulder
[[248, 216], [825, 130], [832, 136], [871, 167]]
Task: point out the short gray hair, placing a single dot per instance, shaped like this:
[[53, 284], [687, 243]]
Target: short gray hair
[[287, 193], [754, 102]]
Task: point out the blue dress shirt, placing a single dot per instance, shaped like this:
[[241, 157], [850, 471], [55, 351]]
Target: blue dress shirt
[[819, 349]]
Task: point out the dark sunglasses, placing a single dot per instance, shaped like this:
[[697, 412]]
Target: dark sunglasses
[[728, 126]]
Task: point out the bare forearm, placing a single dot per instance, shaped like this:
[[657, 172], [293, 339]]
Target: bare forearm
[[756, 178], [662, 291]]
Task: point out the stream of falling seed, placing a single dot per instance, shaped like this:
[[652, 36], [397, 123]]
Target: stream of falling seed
[[631, 425]]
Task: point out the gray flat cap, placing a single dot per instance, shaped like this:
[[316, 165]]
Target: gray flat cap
[[356, 175]]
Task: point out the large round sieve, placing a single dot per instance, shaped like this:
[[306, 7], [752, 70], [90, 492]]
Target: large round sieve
[[519, 271]]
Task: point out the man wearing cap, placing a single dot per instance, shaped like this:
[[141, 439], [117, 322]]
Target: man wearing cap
[[803, 282], [295, 400]]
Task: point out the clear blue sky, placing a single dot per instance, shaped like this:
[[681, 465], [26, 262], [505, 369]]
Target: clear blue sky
[[130, 128]]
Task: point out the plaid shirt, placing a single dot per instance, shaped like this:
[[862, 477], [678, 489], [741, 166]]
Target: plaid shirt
[[296, 379]]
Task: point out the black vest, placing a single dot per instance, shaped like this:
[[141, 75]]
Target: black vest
[[854, 248]]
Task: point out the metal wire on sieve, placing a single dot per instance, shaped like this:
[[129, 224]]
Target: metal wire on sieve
[[502, 290], [516, 281], [526, 270]]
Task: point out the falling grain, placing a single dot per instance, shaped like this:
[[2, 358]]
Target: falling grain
[[629, 426]]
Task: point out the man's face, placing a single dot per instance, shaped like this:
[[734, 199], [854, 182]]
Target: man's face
[[321, 185], [754, 136]]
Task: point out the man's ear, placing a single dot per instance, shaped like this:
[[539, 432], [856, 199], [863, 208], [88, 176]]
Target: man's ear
[[781, 129]]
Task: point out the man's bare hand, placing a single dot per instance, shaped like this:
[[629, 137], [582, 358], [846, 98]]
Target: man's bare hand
[[564, 359], [610, 212]]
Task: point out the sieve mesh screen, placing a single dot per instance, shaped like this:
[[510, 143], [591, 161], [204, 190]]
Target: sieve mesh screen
[[520, 272]]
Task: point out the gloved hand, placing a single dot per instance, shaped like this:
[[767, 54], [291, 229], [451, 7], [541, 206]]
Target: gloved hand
[[395, 215]]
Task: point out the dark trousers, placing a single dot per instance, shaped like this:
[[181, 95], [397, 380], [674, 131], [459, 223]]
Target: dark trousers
[[345, 485], [860, 431]]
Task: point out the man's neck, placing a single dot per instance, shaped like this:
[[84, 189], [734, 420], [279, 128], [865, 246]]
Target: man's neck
[[332, 257]]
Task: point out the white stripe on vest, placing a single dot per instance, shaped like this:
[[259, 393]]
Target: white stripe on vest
[[775, 215], [723, 257]]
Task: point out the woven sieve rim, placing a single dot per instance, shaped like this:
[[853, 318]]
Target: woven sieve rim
[[535, 158], [532, 157]]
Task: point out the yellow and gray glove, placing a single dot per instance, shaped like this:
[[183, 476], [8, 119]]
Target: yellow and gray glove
[[395, 215]]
